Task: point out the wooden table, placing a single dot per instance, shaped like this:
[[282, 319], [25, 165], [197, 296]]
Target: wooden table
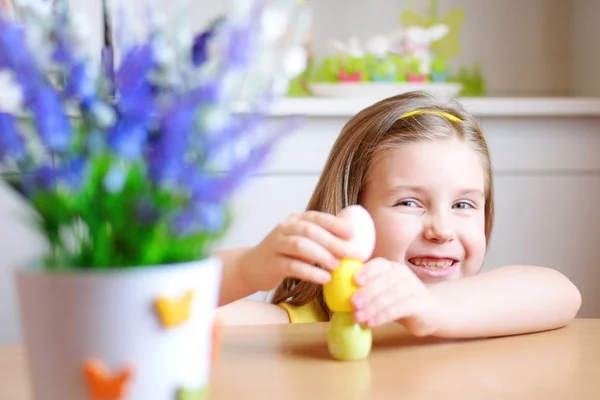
[[291, 362]]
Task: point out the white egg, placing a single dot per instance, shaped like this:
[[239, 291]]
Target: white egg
[[363, 241]]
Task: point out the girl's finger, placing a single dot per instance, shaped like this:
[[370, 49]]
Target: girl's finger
[[306, 250], [367, 295], [384, 297], [394, 311], [336, 246], [298, 269], [335, 225], [371, 271]]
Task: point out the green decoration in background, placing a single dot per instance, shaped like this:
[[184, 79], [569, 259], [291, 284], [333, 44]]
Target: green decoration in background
[[414, 66], [439, 64], [397, 68], [383, 69], [358, 64], [401, 66], [449, 46], [327, 70], [298, 86], [472, 81]]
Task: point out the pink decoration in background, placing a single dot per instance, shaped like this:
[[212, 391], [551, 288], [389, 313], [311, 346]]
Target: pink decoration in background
[[345, 77], [416, 78]]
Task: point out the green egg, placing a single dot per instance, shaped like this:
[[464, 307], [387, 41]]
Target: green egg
[[347, 340]]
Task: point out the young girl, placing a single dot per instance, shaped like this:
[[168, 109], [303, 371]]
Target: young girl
[[422, 170]]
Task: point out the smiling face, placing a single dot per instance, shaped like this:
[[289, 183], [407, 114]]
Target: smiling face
[[427, 200]]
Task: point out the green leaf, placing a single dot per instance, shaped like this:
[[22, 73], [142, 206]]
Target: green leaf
[[156, 245], [102, 246]]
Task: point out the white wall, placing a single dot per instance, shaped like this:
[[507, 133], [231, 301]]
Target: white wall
[[19, 243], [586, 47]]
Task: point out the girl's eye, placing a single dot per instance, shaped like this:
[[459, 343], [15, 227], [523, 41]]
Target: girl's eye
[[464, 205], [406, 203]]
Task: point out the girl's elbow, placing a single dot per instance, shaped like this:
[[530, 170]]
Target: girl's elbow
[[575, 300], [570, 299]]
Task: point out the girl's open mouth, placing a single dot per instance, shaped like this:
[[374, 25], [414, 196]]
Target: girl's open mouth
[[432, 267]]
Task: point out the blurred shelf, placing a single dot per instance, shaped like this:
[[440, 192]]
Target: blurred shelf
[[479, 106]]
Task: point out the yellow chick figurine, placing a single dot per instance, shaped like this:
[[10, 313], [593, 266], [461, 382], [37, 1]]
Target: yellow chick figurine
[[346, 339]]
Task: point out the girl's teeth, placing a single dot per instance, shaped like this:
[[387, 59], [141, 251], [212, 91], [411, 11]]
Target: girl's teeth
[[432, 263]]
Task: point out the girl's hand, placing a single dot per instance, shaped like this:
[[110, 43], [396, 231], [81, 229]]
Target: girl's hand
[[294, 247], [389, 292]]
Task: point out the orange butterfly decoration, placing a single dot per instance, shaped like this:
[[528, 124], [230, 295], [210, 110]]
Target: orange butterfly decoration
[[173, 312], [101, 384]]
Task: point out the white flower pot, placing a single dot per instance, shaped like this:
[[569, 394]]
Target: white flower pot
[[76, 323]]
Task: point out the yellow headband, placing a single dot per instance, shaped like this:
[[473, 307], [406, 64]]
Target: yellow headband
[[444, 114]]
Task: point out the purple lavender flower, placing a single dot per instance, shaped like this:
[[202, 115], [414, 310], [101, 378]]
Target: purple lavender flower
[[209, 191], [176, 122], [128, 138], [217, 188], [135, 92], [15, 55], [176, 130], [240, 49], [232, 132], [53, 126], [73, 173], [200, 217], [167, 157], [200, 46], [11, 143], [80, 84], [136, 103], [43, 178], [199, 49], [47, 177]]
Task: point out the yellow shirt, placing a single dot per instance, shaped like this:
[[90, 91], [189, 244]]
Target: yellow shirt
[[310, 312]]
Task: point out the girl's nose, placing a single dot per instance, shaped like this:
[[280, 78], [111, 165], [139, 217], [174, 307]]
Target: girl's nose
[[438, 231]]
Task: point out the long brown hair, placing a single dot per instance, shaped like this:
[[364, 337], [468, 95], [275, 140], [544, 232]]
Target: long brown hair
[[366, 136]]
